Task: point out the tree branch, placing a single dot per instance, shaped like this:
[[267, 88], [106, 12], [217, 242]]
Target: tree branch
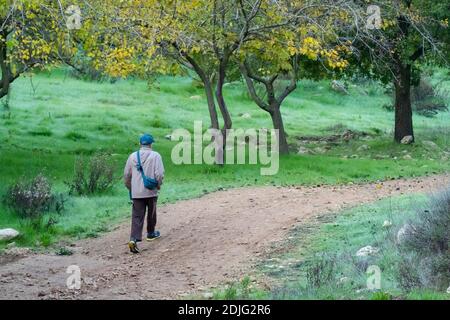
[[251, 87]]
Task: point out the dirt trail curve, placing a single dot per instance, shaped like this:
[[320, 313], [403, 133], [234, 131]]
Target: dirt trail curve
[[206, 241]]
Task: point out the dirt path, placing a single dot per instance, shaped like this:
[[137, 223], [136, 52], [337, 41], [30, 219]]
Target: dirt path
[[206, 241]]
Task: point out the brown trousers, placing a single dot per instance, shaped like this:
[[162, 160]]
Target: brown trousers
[[140, 206]]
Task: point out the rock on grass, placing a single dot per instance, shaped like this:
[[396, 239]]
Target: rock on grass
[[8, 234]]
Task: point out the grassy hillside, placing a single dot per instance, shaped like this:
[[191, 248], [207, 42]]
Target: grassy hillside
[[54, 118]]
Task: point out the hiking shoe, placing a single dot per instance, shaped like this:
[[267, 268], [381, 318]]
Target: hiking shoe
[[153, 236], [133, 247]]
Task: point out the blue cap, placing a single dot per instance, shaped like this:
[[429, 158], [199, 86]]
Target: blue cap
[[146, 139]]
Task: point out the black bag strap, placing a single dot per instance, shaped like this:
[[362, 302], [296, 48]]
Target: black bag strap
[[140, 169]]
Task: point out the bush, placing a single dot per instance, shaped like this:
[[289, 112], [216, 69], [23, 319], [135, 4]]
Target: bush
[[426, 100], [97, 176], [321, 272], [425, 246], [30, 199]]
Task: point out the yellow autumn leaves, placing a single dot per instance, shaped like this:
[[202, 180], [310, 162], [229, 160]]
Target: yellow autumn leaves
[[311, 48], [334, 57], [117, 63], [34, 38]]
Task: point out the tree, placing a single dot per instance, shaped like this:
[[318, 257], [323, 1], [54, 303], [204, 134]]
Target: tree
[[32, 34], [410, 32], [207, 35], [303, 44], [273, 102], [200, 35]]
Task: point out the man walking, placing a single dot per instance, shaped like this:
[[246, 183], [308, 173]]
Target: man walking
[[143, 175]]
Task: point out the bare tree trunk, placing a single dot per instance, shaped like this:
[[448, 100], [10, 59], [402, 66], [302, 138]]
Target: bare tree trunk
[[403, 109], [211, 103], [208, 89], [220, 98], [227, 123], [6, 76], [277, 121]]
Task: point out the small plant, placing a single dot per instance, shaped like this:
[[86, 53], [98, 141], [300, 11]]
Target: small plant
[[380, 295], [63, 251], [245, 287], [75, 136], [321, 271], [97, 176], [388, 107], [231, 292], [30, 199], [41, 132]]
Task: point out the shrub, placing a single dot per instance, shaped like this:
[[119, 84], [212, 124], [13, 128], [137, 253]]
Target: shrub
[[425, 246], [408, 275], [30, 199], [63, 251], [231, 292], [321, 272], [95, 176], [426, 100]]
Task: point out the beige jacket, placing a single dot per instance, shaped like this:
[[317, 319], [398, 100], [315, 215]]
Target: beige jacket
[[153, 168]]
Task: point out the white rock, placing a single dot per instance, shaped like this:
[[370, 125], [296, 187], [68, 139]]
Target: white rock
[[338, 87], [387, 224], [304, 150], [196, 97], [430, 145], [407, 140], [246, 116], [344, 280], [407, 157], [364, 147], [320, 150], [367, 251], [208, 295], [8, 234]]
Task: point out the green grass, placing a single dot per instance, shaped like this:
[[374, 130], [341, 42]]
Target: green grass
[[47, 128], [337, 239]]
